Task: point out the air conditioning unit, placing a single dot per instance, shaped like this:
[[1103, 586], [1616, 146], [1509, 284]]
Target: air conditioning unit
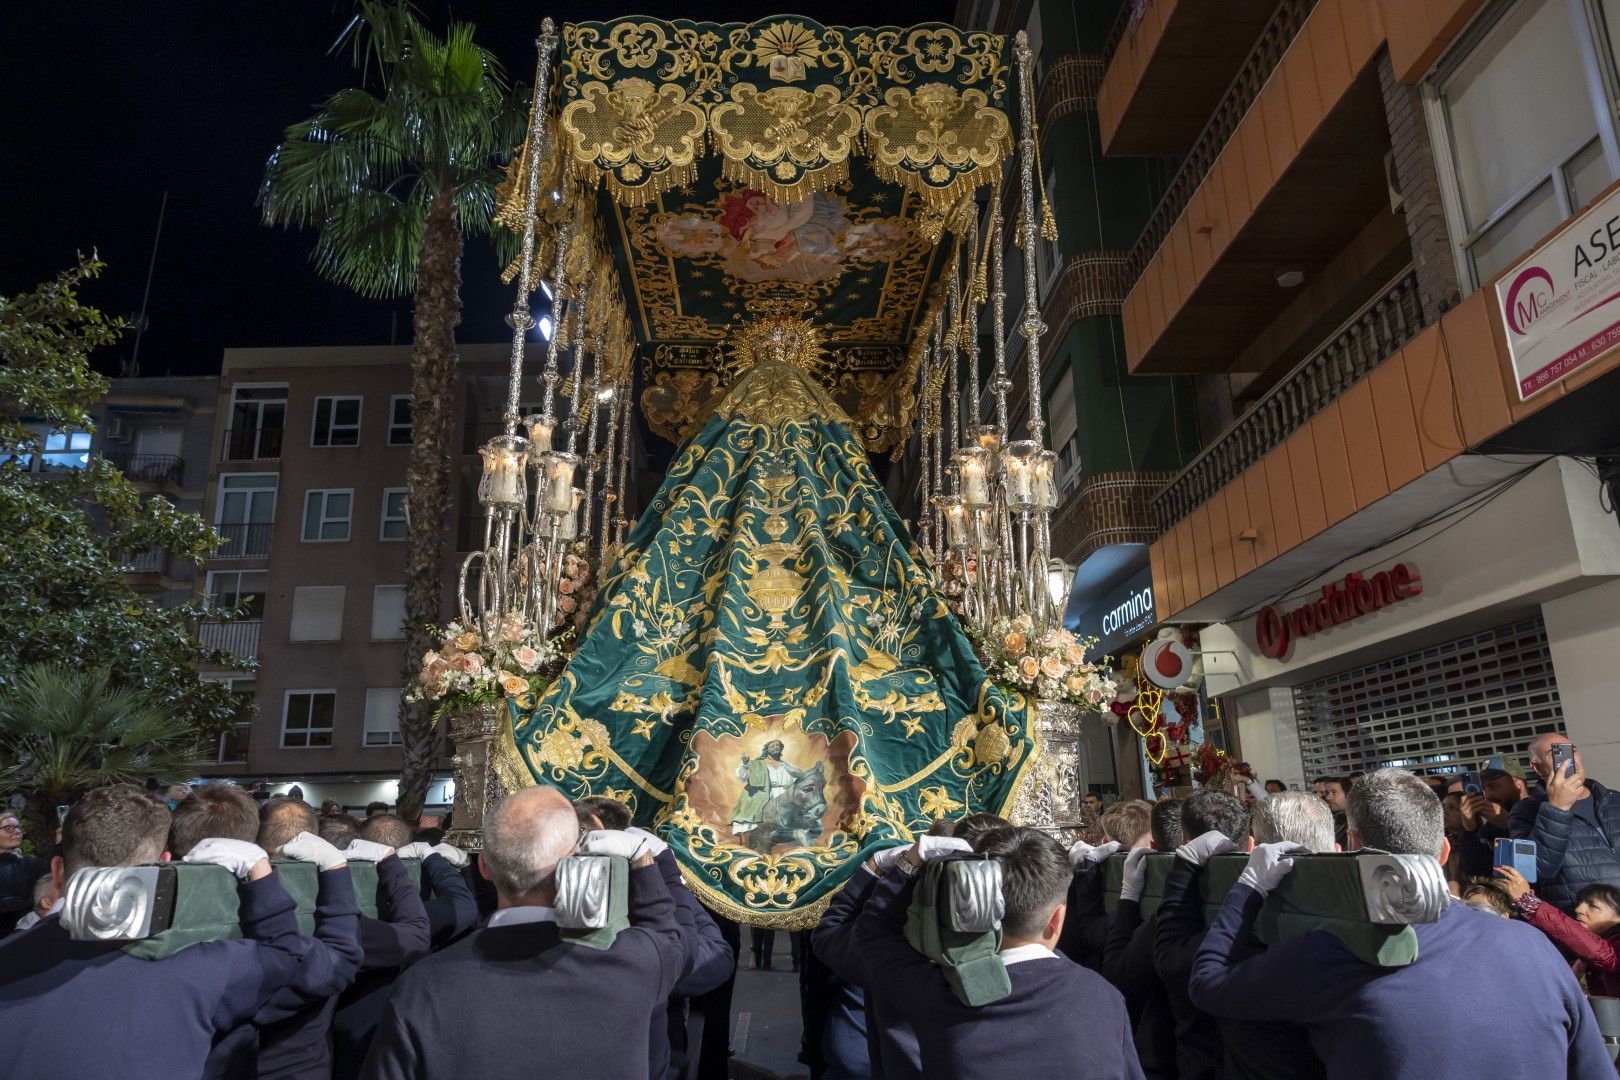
[[116, 428]]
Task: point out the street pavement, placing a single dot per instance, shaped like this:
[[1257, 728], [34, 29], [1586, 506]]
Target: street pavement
[[765, 1023]]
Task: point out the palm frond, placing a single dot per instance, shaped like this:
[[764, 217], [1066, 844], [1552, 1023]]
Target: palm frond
[[371, 242]]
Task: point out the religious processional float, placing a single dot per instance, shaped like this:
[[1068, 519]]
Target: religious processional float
[[770, 245]]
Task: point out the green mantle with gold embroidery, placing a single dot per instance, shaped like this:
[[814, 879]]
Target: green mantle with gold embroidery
[[770, 679]]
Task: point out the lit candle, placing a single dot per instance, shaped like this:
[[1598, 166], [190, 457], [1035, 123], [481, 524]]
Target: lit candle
[[540, 432], [975, 481], [956, 523], [568, 525], [1044, 468], [502, 483], [559, 490]]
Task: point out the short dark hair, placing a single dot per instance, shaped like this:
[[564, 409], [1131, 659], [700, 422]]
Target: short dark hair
[[1327, 780], [612, 813], [973, 827], [387, 829], [376, 808], [1208, 810], [117, 825], [282, 818], [429, 836], [1165, 823], [1490, 896], [1280, 785], [339, 830], [942, 827], [1600, 892], [1394, 811], [222, 810], [1035, 876]]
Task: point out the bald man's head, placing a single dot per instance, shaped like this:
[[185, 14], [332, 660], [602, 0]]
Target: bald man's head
[[1541, 753], [527, 834]]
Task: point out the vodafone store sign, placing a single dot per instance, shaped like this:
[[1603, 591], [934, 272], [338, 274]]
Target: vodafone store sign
[[1355, 596], [1560, 306]]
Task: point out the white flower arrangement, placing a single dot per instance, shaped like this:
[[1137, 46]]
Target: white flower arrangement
[[465, 669], [1052, 666]]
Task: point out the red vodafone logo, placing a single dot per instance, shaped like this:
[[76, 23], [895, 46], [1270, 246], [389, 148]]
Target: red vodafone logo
[[1167, 663], [1355, 596]]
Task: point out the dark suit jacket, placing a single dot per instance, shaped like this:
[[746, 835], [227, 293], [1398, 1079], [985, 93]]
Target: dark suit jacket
[[890, 1042], [507, 1001], [87, 1008]]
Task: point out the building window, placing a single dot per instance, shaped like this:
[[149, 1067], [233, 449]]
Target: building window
[[1062, 432], [258, 414], [382, 716], [388, 613], [1048, 253], [1524, 126], [393, 514], [326, 514], [306, 718], [232, 746], [337, 422], [246, 513], [317, 613], [228, 588], [401, 420]]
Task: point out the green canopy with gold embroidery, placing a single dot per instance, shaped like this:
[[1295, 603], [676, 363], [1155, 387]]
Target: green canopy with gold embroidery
[[770, 678]]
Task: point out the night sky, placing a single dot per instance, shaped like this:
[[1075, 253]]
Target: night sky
[[105, 105]]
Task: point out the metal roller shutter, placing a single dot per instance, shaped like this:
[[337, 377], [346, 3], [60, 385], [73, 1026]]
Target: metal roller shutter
[[1441, 709]]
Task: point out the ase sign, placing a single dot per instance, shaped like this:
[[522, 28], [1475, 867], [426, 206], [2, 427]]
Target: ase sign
[[1560, 306]]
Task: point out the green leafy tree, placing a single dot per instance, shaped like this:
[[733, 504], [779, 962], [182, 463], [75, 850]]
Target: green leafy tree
[[63, 594], [394, 175], [65, 730]]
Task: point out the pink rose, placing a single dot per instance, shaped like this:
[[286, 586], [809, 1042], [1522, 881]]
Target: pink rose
[[1028, 668], [565, 604], [470, 663], [526, 658], [565, 586]]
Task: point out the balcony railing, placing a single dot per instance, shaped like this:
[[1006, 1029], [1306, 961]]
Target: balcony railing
[[244, 541], [155, 561], [1375, 333], [239, 637], [252, 444], [1285, 25], [1126, 22], [164, 469]]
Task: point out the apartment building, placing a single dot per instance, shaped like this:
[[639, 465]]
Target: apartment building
[[1340, 225], [307, 487]]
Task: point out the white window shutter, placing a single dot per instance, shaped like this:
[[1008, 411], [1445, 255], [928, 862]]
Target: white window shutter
[[388, 613], [317, 613]]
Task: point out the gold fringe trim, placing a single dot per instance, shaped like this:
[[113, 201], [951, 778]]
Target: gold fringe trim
[[809, 182]]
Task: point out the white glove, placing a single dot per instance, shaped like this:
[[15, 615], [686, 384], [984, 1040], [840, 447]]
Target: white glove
[[1135, 879], [307, 847], [1083, 854], [1201, 850], [883, 860], [613, 842], [1257, 788], [655, 845], [1268, 866], [933, 847], [451, 854], [417, 850], [237, 856], [367, 851]]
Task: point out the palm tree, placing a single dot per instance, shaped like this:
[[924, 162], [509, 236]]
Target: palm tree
[[394, 176], [65, 730]]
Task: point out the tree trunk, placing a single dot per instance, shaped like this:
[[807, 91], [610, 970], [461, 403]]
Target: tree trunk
[[428, 478]]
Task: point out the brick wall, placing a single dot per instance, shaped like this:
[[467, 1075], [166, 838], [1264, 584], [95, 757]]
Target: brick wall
[[1419, 185]]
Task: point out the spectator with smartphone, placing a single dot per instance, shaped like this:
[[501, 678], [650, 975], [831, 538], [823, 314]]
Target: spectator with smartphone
[[1485, 813], [1587, 941], [1574, 821]]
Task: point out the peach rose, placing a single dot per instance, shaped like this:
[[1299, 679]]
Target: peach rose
[[1024, 622], [1074, 654], [470, 663], [526, 658], [1028, 668], [434, 671], [1076, 684], [565, 604], [565, 586], [1014, 642], [514, 684], [1051, 667], [466, 641]]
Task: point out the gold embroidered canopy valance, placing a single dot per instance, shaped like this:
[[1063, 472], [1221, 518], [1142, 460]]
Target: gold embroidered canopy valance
[[774, 167]]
